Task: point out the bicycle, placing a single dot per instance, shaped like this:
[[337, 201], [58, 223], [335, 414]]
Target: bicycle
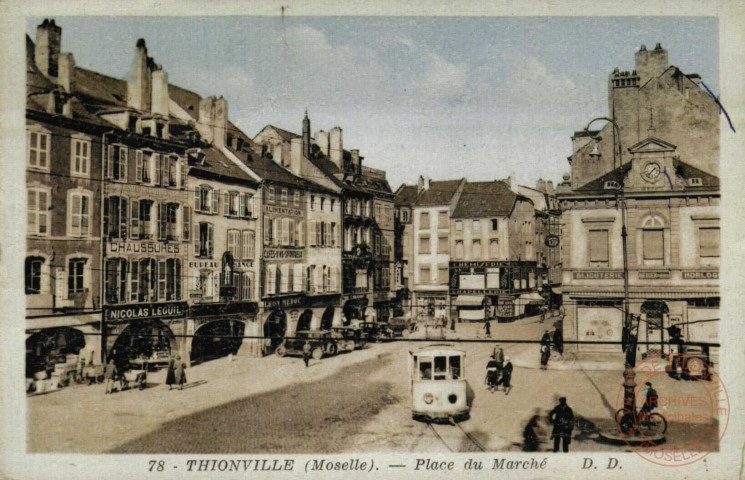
[[652, 423]]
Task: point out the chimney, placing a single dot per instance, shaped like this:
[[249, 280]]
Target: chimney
[[540, 185], [277, 154], [160, 98], [651, 64], [306, 136], [356, 161], [213, 120], [422, 184], [48, 43], [138, 81], [511, 184], [550, 187], [297, 152], [336, 147], [66, 77], [322, 140]]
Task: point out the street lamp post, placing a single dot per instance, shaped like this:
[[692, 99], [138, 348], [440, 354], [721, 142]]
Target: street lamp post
[[629, 422]]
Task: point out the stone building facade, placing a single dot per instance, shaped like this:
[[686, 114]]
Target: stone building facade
[[665, 164]]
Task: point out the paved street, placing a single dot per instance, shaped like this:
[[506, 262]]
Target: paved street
[[353, 402]]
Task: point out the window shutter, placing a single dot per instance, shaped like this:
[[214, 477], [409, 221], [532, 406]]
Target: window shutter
[[197, 198], [186, 222], [134, 289], [158, 167], [210, 244], [197, 241], [333, 274], [138, 166], [135, 221], [162, 221], [163, 170], [226, 204], [242, 206], [276, 231], [123, 163], [109, 162], [312, 233], [183, 173], [105, 232], [162, 280], [267, 231], [301, 233], [123, 210], [215, 202]]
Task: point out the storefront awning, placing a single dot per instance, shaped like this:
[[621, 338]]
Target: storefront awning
[[469, 301], [467, 314], [532, 297]]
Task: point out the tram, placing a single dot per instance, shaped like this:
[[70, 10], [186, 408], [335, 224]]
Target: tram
[[439, 390]]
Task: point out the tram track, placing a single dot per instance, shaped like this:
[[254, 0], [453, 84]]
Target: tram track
[[464, 441]]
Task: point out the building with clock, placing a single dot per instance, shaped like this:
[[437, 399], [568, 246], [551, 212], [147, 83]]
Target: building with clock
[[657, 167]]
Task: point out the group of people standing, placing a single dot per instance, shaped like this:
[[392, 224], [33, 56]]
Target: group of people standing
[[562, 419], [499, 371]]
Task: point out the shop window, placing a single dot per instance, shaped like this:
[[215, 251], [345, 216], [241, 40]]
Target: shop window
[[33, 275], [38, 211], [80, 157], [598, 247], [38, 143]]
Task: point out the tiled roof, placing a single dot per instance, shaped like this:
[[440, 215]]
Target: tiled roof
[[216, 163], [485, 199], [438, 193], [406, 195], [682, 170]]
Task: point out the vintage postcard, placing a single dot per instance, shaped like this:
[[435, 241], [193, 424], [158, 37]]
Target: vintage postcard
[[451, 240]]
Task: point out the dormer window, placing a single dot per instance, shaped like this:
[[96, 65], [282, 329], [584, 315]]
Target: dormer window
[[695, 182], [159, 130], [132, 123], [610, 185]]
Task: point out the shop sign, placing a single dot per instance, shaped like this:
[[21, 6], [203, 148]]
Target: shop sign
[[552, 241], [137, 247], [479, 291], [701, 275], [462, 265], [145, 311], [284, 302], [282, 253], [243, 264], [598, 275], [224, 308], [654, 275], [293, 212], [205, 264]]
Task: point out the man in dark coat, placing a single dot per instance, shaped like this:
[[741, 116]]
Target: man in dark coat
[[652, 400], [506, 376], [563, 419], [491, 374], [487, 328], [531, 443], [545, 355], [559, 341], [546, 339], [110, 374], [171, 373], [180, 372]]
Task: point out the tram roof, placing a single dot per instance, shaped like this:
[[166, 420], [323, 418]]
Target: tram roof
[[438, 350]]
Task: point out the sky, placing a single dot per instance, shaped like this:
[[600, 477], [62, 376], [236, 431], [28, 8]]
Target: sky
[[444, 97]]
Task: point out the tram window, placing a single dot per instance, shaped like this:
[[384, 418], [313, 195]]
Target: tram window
[[425, 369], [440, 368], [455, 367]]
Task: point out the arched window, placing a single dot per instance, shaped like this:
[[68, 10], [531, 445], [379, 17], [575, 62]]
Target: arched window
[[653, 241]]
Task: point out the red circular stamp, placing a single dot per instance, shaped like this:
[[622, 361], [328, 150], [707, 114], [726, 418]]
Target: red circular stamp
[[673, 411]]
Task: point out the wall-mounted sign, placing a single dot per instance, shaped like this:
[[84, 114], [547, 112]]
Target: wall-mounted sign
[[136, 247], [280, 253], [293, 212], [552, 241], [284, 302], [598, 275], [701, 275], [205, 264], [654, 275], [114, 313]]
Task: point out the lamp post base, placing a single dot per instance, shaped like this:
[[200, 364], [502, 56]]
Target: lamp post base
[[615, 436]]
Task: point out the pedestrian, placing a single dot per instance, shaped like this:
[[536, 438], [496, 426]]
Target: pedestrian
[[491, 374], [110, 374], [171, 373], [545, 354], [180, 373], [559, 341], [530, 435], [563, 419], [543, 313], [546, 339], [306, 353], [487, 328], [506, 376]]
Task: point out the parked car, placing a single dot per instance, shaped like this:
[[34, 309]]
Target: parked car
[[322, 342], [691, 361], [350, 334], [402, 326], [376, 331]]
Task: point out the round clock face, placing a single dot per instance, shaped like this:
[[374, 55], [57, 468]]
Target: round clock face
[[651, 171]]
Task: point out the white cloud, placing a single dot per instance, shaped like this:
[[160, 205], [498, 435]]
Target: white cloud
[[443, 79]]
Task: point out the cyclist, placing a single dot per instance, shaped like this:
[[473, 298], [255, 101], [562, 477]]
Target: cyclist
[[651, 402]]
